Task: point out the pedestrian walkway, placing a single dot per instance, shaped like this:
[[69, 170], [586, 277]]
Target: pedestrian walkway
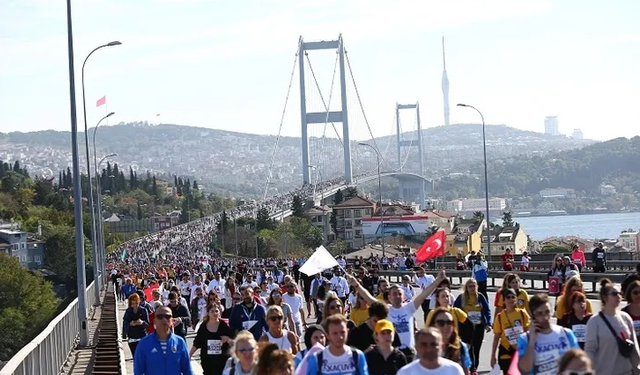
[[80, 360]]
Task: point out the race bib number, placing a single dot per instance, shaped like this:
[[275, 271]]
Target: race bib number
[[214, 347], [580, 331], [475, 317], [512, 334]]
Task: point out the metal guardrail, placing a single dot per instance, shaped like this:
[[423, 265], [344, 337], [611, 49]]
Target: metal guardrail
[[47, 352]]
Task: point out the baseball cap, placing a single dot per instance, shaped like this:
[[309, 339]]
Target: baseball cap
[[384, 325]]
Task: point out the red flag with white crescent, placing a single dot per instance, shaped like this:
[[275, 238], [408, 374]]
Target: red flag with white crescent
[[432, 247]]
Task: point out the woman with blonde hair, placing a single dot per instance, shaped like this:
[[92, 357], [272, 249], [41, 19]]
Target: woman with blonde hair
[[522, 297], [275, 299], [479, 314], [284, 339], [452, 347], [244, 355], [274, 361], [505, 284], [575, 361]]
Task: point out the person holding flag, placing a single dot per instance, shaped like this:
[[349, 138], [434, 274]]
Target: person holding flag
[[401, 313]]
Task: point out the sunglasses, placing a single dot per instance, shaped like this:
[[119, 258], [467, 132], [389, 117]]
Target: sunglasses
[[276, 295], [163, 316], [443, 322], [577, 373], [276, 318], [247, 350]]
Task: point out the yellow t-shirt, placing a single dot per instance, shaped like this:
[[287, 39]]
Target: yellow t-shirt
[[380, 297], [523, 300], [560, 311], [359, 316], [473, 308], [509, 326], [459, 316]]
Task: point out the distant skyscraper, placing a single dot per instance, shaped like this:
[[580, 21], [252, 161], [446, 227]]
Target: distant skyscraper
[[551, 125], [577, 134], [445, 86]]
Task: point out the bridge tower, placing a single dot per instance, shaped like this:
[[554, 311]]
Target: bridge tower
[[324, 117], [408, 187]]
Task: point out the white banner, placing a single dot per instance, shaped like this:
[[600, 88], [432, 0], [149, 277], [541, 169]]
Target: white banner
[[320, 260]]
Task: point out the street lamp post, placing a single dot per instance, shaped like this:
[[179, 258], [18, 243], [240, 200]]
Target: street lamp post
[[99, 222], [379, 192], [100, 219], [97, 273], [77, 192], [486, 177]]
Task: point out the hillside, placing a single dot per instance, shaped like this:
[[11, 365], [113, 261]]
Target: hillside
[[238, 163], [615, 162]]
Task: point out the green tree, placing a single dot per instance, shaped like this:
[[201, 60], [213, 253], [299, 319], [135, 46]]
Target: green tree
[[338, 197], [507, 219], [60, 252], [478, 216], [263, 221], [297, 206], [27, 304], [307, 233], [350, 192]]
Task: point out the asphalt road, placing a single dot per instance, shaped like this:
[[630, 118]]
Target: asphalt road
[[485, 353]]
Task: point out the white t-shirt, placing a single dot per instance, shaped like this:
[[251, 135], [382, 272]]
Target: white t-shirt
[[447, 367], [340, 286], [403, 322], [296, 303], [424, 281], [185, 287], [217, 286]]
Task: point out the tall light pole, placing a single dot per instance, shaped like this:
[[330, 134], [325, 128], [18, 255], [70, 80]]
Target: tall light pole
[[77, 192], [486, 176], [100, 220], [97, 273], [379, 192]]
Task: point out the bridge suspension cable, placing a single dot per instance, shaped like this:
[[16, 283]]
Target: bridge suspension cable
[[284, 110]]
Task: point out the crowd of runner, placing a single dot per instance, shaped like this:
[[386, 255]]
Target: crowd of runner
[[264, 316]]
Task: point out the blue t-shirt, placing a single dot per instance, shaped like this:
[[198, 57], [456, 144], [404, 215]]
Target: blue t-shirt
[[549, 348], [342, 365]]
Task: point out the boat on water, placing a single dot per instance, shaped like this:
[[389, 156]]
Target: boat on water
[[557, 213]]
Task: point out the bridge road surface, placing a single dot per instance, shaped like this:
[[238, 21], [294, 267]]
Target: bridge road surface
[[485, 352]]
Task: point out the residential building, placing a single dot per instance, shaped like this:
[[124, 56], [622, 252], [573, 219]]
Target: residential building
[[558, 192], [162, 222], [577, 135], [608, 190], [28, 250], [442, 219], [629, 240], [349, 216], [471, 205], [320, 217], [465, 236], [513, 238], [551, 125]]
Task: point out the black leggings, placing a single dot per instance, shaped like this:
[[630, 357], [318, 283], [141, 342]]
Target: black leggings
[[476, 344], [132, 347]]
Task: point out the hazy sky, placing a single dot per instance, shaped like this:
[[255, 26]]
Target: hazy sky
[[226, 64]]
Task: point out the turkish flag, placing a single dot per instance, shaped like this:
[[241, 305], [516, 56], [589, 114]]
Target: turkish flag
[[432, 247], [513, 367], [101, 101]]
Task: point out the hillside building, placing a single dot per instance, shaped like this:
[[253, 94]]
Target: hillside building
[[551, 125]]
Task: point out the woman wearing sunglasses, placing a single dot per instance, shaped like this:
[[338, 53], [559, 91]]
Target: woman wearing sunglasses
[[213, 338], [477, 308], [610, 332], [507, 327], [275, 299], [333, 305], [244, 356], [452, 347], [286, 340]]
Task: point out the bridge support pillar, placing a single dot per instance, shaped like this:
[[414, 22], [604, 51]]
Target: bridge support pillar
[[327, 116]]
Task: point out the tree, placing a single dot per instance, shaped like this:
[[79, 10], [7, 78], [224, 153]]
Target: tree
[[263, 221], [60, 252], [307, 233], [297, 206], [350, 192], [139, 213], [27, 304], [338, 197], [154, 187], [507, 219], [195, 185], [478, 216]]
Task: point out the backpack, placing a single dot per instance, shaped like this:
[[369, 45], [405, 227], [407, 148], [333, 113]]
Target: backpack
[[354, 353]]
